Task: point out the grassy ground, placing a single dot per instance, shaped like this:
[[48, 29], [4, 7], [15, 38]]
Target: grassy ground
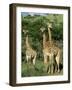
[[37, 70]]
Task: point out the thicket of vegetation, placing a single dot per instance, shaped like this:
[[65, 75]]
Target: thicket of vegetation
[[33, 24]]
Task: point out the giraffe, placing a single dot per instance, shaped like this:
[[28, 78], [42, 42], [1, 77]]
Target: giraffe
[[30, 53], [46, 51], [54, 49]]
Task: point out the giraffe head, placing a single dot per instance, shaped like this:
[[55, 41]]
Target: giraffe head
[[49, 25], [25, 31], [42, 29]]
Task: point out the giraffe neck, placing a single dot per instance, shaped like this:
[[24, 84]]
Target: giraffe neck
[[50, 36], [44, 40], [27, 42]]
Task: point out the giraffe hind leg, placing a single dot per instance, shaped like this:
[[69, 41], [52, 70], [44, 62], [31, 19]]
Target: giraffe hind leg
[[27, 58], [57, 60]]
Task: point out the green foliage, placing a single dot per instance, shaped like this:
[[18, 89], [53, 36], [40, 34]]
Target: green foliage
[[33, 24]]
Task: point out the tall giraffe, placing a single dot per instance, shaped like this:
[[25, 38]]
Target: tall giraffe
[[46, 51], [30, 53], [54, 49]]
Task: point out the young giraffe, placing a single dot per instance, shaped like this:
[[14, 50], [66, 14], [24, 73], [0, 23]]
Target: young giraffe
[[30, 53], [54, 49]]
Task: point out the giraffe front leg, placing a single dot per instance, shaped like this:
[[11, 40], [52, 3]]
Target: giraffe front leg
[[27, 58], [45, 59], [52, 64], [52, 68], [34, 59], [45, 63], [58, 68]]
